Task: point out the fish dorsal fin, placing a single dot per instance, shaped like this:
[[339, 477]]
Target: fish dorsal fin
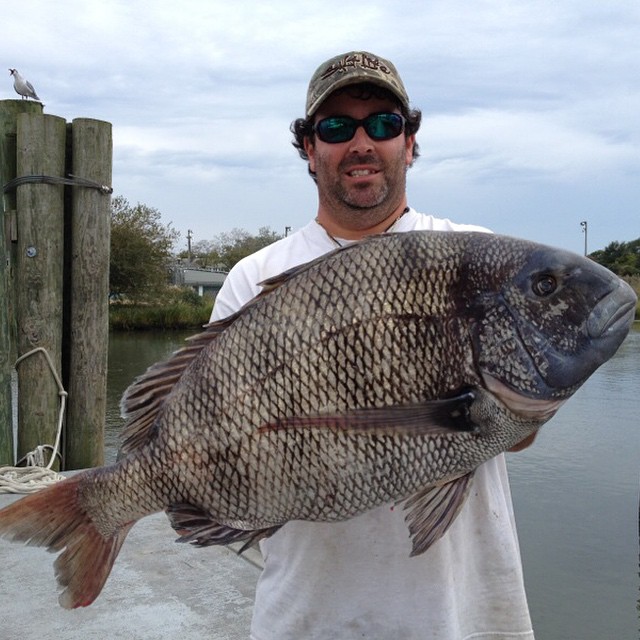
[[432, 511], [274, 282], [144, 399], [269, 284]]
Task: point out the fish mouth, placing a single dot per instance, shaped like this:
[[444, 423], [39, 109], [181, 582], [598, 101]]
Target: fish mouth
[[610, 315], [524, 406]]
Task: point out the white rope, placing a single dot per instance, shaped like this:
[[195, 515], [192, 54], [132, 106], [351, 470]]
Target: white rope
[[36, 475]]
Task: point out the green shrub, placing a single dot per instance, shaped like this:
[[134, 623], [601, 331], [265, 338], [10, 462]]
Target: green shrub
[[634, 281], [181, 309]]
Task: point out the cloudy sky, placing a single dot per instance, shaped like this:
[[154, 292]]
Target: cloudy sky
[[530, 107]]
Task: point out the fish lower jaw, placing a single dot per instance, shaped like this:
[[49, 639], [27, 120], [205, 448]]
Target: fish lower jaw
[[528, 408]]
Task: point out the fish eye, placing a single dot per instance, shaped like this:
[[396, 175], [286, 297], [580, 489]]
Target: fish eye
[[544, 285]]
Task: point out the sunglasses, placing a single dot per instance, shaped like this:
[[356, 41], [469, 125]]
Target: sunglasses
[[379, 126]]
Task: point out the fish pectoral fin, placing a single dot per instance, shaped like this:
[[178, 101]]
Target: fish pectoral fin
[[432, 511], [448, 415], [196, 527]]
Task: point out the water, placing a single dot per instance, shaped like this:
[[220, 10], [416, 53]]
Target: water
[[129, 356], [575, 493]]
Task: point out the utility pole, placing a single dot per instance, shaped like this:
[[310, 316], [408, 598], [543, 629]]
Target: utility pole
[[584, 225], [189, 236], [286, 231]]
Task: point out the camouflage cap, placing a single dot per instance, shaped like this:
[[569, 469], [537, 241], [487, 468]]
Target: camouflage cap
[[352, 68]]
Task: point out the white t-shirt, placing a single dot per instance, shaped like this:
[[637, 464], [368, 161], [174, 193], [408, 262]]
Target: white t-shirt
[[355, 579]]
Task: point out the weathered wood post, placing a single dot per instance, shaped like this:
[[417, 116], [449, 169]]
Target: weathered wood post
[[54, 271], [38, 276], [90, 222], [9, 110]]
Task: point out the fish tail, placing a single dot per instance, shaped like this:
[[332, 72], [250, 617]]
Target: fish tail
[[55, 518]]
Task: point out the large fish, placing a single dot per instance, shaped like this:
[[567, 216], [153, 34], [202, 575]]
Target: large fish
[[386, 371]]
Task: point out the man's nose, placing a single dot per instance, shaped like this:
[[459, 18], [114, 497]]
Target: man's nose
[[361, 142]]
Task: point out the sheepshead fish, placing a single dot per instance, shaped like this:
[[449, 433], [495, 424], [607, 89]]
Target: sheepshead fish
[[384, 372]]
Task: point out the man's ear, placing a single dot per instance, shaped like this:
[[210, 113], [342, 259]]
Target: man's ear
[[409, 142], [310, 150]]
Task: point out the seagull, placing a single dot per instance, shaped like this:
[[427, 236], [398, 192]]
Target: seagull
[[22, 86]]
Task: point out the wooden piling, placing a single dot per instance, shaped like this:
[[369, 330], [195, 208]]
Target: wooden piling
[[90, 221], [9, 110], [54, 271], [38, 279]]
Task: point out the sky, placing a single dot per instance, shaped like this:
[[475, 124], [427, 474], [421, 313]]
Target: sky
[[530, 107]]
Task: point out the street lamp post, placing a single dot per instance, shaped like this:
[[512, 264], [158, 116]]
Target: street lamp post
[[584, 225]]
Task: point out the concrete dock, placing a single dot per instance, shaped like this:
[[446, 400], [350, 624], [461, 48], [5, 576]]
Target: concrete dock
[[157, 589]]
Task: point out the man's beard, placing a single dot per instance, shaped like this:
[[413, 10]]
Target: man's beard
[[370, 202]]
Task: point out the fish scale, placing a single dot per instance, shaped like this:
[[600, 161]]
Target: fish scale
[[385, 372]]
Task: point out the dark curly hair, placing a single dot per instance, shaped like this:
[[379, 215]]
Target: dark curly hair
[[303, 127]]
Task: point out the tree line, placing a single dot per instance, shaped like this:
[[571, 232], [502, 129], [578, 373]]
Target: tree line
[[623, 258], [142, 251]]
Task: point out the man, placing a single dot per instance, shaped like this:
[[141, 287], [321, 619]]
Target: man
[[355, 579]]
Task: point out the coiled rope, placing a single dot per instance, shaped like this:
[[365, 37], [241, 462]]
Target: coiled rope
[[36, 475]]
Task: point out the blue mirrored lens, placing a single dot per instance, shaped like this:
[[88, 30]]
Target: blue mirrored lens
[[379, 126]]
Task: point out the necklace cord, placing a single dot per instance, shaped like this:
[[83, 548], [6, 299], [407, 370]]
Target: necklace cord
[[339, 244]]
